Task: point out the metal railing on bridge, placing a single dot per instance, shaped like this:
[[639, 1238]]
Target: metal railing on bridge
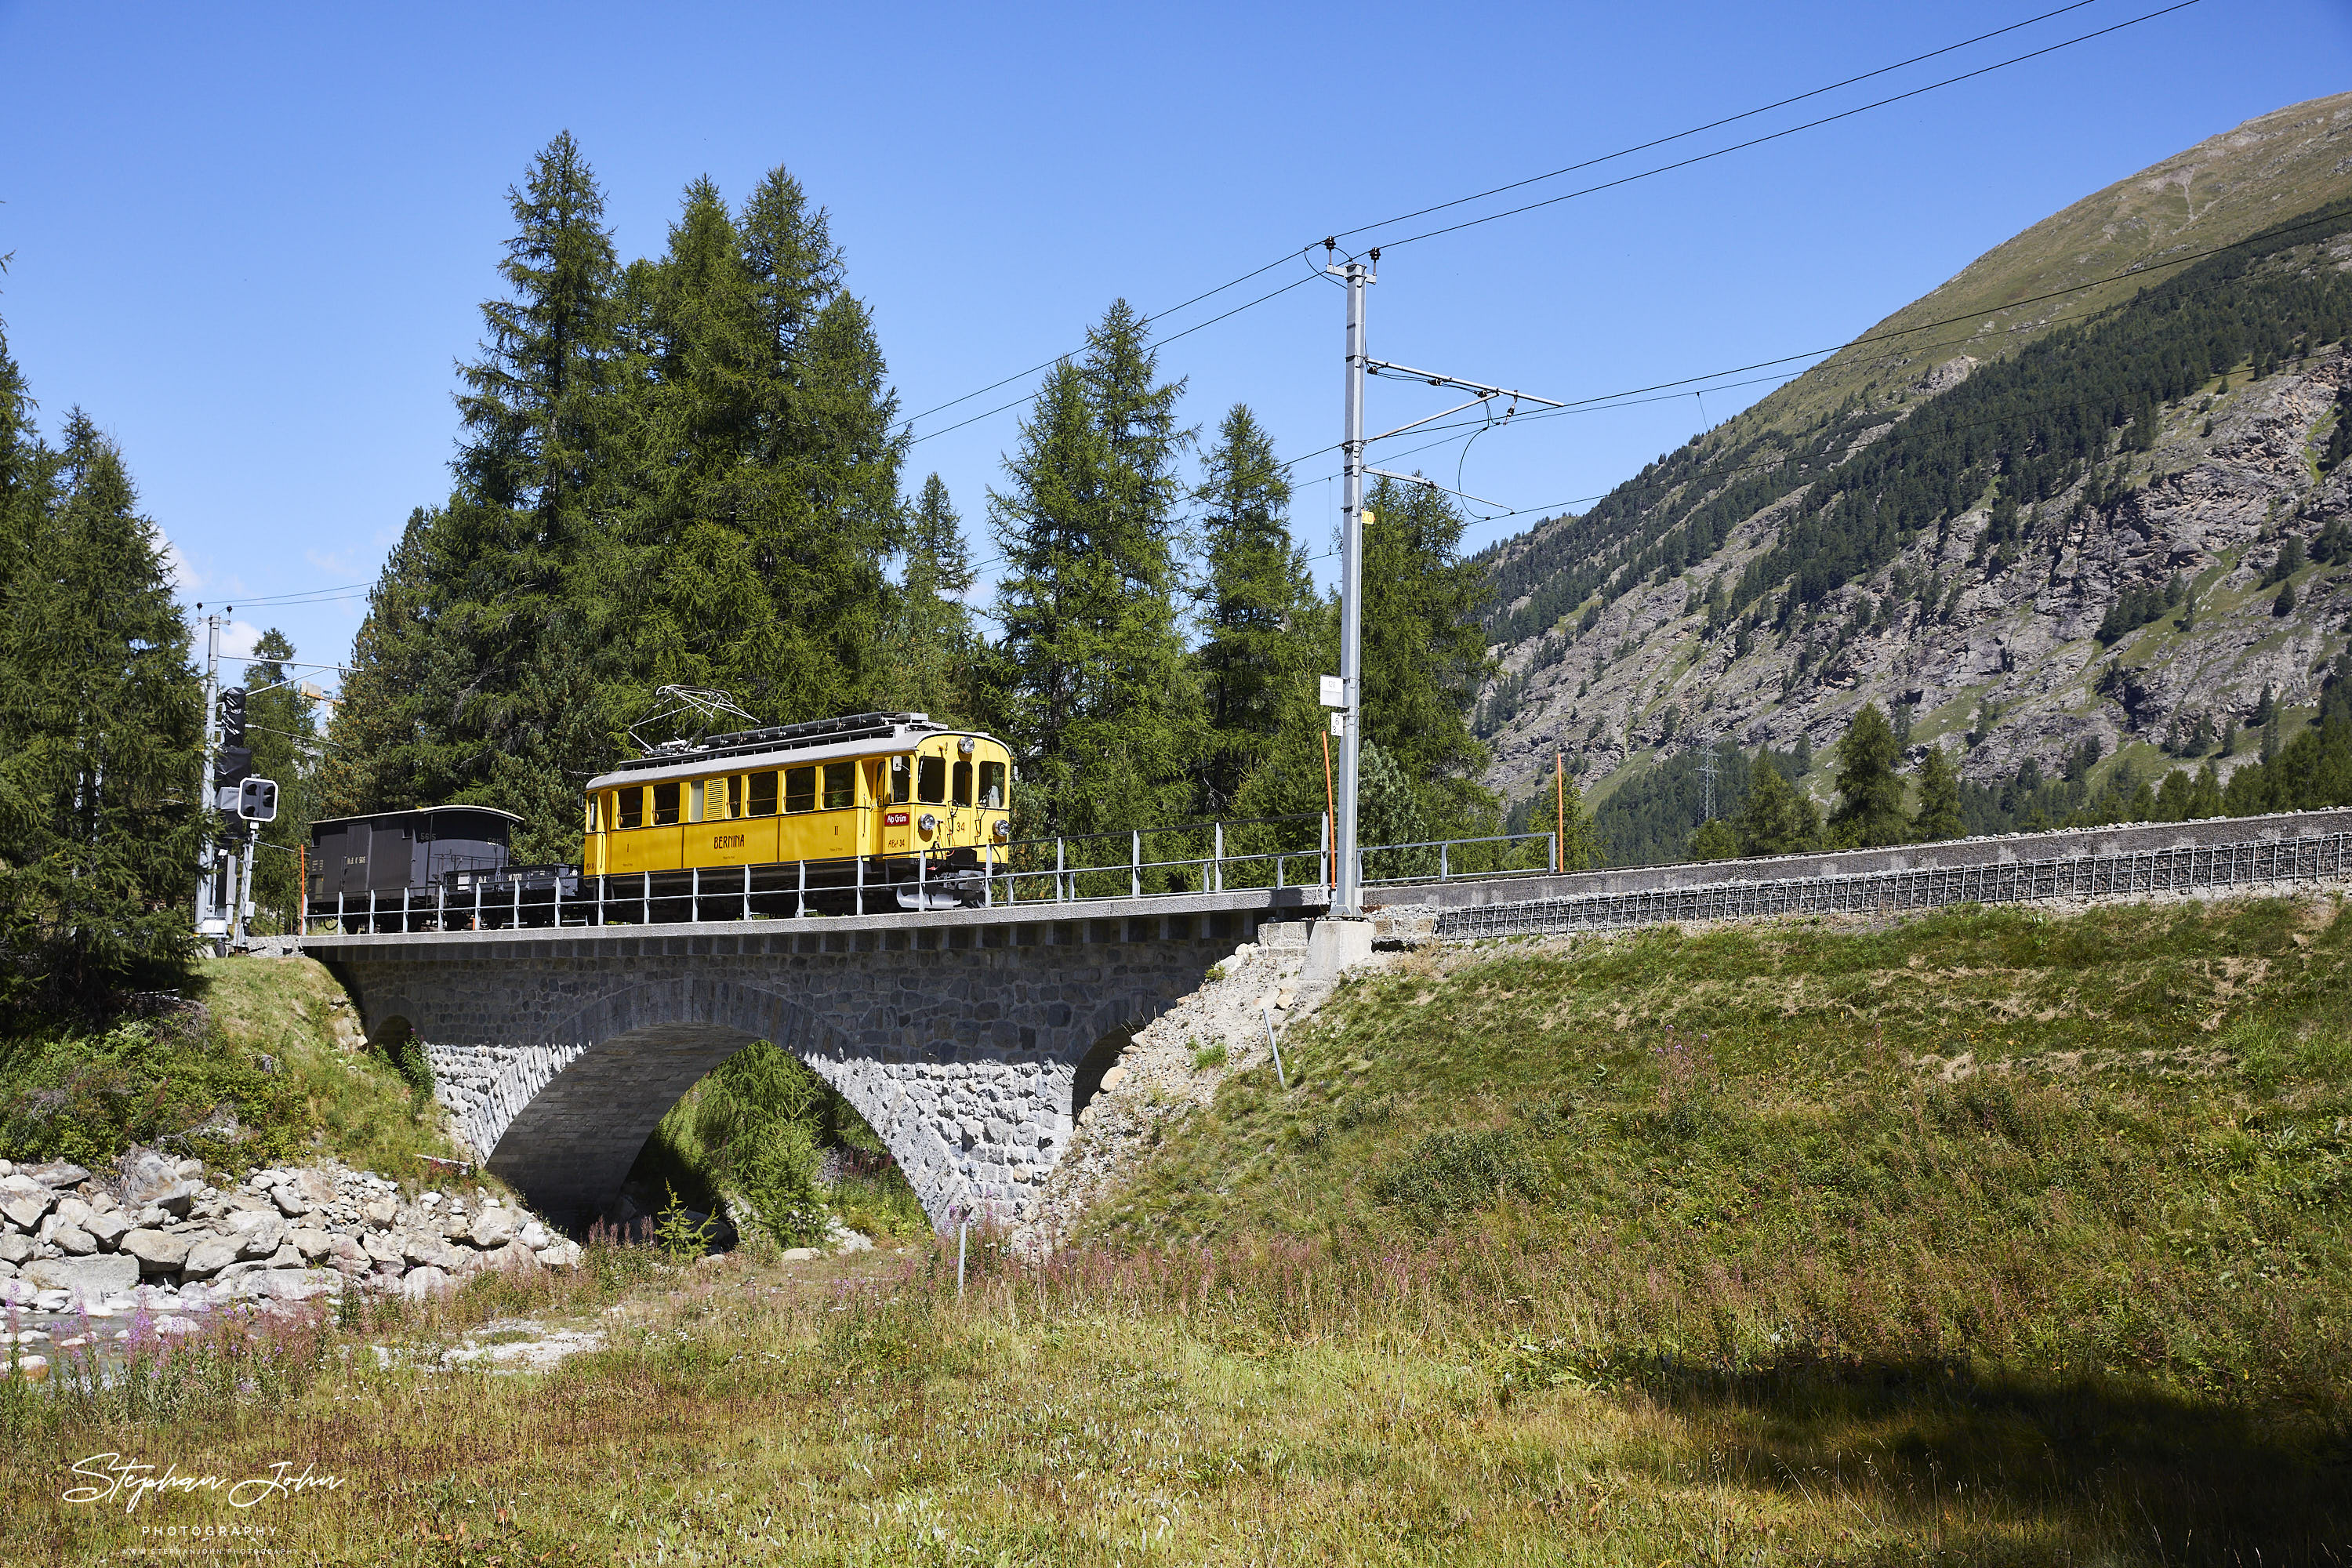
[[1275, 853], [2246, 864]]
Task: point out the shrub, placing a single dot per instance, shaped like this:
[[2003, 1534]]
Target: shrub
[[1451, 1172]]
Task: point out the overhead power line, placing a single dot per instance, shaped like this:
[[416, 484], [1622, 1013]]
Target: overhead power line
[[1624, 151]]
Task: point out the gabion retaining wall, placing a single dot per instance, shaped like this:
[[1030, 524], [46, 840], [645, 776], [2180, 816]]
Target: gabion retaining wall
[[2325, 857]]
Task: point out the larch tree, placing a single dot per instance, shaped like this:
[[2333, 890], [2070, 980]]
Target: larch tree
[[1776, 818], [1090, 679], [511, 708], [1870, 793], [281, 728], [1424, 652], [930, 647], [100, 713], [1252, 605], [1938, 816]]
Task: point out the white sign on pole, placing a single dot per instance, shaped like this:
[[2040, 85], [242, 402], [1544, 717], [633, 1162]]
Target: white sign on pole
[[1339, 724], [1334, 691]]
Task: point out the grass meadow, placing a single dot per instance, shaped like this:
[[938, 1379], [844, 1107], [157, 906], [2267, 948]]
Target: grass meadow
[[1988, 1237]]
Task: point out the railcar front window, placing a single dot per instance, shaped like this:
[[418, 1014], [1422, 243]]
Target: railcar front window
[[901, 780], [632, 806], [992, 783], [763, 795], [800, 789], [840, 785], [665, 806], [931, 780], [963, 783]]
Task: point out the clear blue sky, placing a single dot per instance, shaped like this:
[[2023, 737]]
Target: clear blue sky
[[252, 241]]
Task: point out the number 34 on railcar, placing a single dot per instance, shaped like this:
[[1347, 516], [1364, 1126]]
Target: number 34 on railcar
[[874, 811]]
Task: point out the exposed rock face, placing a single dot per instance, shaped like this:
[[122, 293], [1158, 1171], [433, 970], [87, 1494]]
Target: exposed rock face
[[156, 1218], [1994, 649]]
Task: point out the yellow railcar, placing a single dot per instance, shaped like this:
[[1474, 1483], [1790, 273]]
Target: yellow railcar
[[874, 811]]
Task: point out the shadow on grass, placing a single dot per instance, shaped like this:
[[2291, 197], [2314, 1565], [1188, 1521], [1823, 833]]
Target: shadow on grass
[[1981, 1469]]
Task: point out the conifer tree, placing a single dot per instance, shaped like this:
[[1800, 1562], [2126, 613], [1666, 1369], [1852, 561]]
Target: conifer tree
[[1090, 679], [281, 728], [1252, 653], [1715, 839], [1424, 653], [1776, 818], [1870, 805], [1390, 813], [932, 643], [510, 711], [377, 760], [1939, 799], [99, 712]]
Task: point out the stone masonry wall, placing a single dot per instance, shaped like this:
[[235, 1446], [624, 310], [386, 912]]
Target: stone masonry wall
[[557, 1053]]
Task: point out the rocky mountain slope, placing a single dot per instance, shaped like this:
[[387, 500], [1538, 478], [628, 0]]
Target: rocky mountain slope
[[2069, 521]]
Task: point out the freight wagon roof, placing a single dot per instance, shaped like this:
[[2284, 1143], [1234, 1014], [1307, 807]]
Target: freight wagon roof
[[419, 812], [711, 764]]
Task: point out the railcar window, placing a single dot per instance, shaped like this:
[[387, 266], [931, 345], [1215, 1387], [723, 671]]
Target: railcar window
[[840, 785], [763, 795], [735, 795], [666, 804], [800, 789], [963, 783], [992, 783], [931, 780], [632, 806], [694, 796], [901, 780], [593, 814]]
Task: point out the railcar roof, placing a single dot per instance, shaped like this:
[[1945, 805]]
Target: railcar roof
[[422, 810], [701, 764]]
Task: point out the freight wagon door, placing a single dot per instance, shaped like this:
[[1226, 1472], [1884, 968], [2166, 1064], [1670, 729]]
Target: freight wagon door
[[346, 853]]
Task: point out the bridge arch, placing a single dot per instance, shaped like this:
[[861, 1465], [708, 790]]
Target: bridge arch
[[565, 1121]]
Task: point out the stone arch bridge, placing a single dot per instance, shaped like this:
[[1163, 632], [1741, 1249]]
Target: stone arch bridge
[[963, 1036]]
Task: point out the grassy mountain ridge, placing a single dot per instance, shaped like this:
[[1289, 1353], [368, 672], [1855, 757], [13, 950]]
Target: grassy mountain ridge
[[1962, 541]]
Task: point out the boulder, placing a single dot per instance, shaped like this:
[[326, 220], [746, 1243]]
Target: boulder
[[290, 1200], [380, 1212], [313, 1245], [429, 1251], [73, 1241], [493, 1228], [424, 1283], [24, 1201], [258, 1232], [72, 1211], [453, 1225], [55, 1173], [14, 1248], [109, 1228], [513, 1257], [317, 1187], [559, 1254], [288, 1284], [101, 1275], [157, 1251], [148, 1178], [534, 1235], [382, 1249], [208, 1258]]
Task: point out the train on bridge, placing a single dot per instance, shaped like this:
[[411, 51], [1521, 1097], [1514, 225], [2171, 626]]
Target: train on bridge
[[861, 813]]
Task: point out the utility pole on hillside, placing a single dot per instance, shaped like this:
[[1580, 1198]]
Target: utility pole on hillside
[[1347, 891]]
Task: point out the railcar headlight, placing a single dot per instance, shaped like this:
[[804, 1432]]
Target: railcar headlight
[[928, 823], [1004, 829]]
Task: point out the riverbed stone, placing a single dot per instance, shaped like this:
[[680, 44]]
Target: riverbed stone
[[99, 1275], [158, 1251]]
